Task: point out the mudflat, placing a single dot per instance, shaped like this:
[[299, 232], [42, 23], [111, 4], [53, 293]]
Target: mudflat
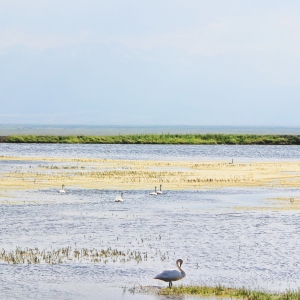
[[34, 173]]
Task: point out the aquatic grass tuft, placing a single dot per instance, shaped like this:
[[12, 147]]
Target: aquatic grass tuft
[[225, 292], [69, 255]]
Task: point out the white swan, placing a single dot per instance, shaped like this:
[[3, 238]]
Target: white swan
[[119, 198], [172, 275], [153, 193], [159, 192], [62, 191]]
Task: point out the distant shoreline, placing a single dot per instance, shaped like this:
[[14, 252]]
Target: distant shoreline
[[158, 139], [105, 130]]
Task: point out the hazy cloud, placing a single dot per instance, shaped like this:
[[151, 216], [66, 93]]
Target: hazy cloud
[[150, 62]]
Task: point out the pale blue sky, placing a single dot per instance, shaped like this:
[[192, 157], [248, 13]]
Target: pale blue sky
[[144, 62]]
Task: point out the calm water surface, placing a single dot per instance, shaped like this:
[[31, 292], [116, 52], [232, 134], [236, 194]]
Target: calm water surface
[[155, 152], [222, 235]]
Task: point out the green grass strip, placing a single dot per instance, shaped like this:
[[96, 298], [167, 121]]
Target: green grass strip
[[171, 139], [224, 292]]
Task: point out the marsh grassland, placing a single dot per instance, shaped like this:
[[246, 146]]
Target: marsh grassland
[[165, 139]]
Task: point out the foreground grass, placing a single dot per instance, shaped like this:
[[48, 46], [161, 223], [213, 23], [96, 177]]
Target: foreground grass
[[188, 139], [221, 291]]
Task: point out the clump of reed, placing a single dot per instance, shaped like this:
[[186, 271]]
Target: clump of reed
[[69, 255], [225, 292]]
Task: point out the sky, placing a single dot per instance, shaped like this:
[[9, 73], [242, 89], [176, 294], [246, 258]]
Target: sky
[[158, 62]]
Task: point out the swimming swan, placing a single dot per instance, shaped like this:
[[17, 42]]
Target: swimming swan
[[62, 191], [153, 193], [159, 192], [119, 198], [172, 275]]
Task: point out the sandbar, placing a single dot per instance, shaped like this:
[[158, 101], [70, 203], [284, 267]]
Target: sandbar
[[42, 172]]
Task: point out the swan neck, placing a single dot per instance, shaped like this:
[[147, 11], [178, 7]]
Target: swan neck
[[181, 271]]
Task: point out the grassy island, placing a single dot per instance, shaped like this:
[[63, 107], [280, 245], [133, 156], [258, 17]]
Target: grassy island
[[171, 139], [223, 292]]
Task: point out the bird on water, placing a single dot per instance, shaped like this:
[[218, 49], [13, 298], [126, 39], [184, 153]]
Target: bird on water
[[153, 193], [119, 198], [172, 275], [62, 191], [159, 192]]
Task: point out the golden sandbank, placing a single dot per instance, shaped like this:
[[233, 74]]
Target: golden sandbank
[[145, 174]]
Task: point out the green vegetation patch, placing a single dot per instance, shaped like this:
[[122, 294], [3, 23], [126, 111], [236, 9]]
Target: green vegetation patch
[[175, 139], [224, 292]]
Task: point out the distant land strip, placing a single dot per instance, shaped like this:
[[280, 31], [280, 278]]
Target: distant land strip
[[159, 139]]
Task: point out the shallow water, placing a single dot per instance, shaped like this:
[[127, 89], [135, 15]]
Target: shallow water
[[222, 235], [218, 243], [156, 152]]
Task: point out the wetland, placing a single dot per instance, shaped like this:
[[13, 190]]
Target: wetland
[[234, 224]]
